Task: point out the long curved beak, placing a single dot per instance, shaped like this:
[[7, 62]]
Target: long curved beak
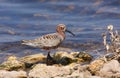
[[70, 32]]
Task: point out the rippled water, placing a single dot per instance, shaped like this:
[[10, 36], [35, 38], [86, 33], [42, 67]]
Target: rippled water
[[28, 19]]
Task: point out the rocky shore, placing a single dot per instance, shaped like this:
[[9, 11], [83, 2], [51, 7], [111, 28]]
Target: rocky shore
[[70, 65]]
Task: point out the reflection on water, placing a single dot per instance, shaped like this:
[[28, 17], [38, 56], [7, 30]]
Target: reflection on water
[[28, 19]]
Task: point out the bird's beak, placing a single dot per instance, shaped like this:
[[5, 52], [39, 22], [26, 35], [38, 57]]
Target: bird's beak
[[70, 32]]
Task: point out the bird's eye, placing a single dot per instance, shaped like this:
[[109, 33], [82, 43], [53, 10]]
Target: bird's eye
[[62, 28]]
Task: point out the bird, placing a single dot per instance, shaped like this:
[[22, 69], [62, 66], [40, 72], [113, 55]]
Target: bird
[[49, 41]]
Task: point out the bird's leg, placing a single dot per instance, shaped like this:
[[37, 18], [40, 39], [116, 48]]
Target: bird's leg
[[50, 60], [48, 56]]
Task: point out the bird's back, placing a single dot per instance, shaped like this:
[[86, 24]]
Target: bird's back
[[46, 41]]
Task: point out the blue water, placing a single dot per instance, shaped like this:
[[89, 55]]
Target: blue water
[[29, 19]]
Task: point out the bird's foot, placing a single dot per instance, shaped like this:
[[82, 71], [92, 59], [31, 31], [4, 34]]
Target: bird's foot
[[50, 60]]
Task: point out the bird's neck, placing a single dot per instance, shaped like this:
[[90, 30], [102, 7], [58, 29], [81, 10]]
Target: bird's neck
[[62, 34]]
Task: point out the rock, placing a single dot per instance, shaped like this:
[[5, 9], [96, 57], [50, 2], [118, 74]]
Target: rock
[[70, 71], [65, 58], [79, 74], [12, 64], [83, 55], [79, 71], [33, 59], [72, 68], [12, 74], [94, 77], [95, 66], [110, 69], [82, 75], [43, 71], [59, 55]]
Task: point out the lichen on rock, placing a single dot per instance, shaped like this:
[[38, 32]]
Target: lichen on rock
[[12, 64]]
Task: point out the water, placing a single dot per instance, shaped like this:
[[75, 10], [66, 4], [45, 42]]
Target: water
[[28, 19]]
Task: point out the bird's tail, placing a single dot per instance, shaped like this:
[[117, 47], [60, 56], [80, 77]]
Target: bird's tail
[[29, 43], [26, 42]]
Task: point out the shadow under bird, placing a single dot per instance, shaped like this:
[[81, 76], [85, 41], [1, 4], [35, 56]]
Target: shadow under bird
[[49, 41]]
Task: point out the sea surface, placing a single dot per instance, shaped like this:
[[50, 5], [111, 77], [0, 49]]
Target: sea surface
[[29, 19]]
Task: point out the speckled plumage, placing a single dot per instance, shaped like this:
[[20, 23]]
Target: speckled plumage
[[48, 41]]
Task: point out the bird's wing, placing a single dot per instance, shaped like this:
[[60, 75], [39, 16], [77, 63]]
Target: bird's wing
[[49, 40]]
